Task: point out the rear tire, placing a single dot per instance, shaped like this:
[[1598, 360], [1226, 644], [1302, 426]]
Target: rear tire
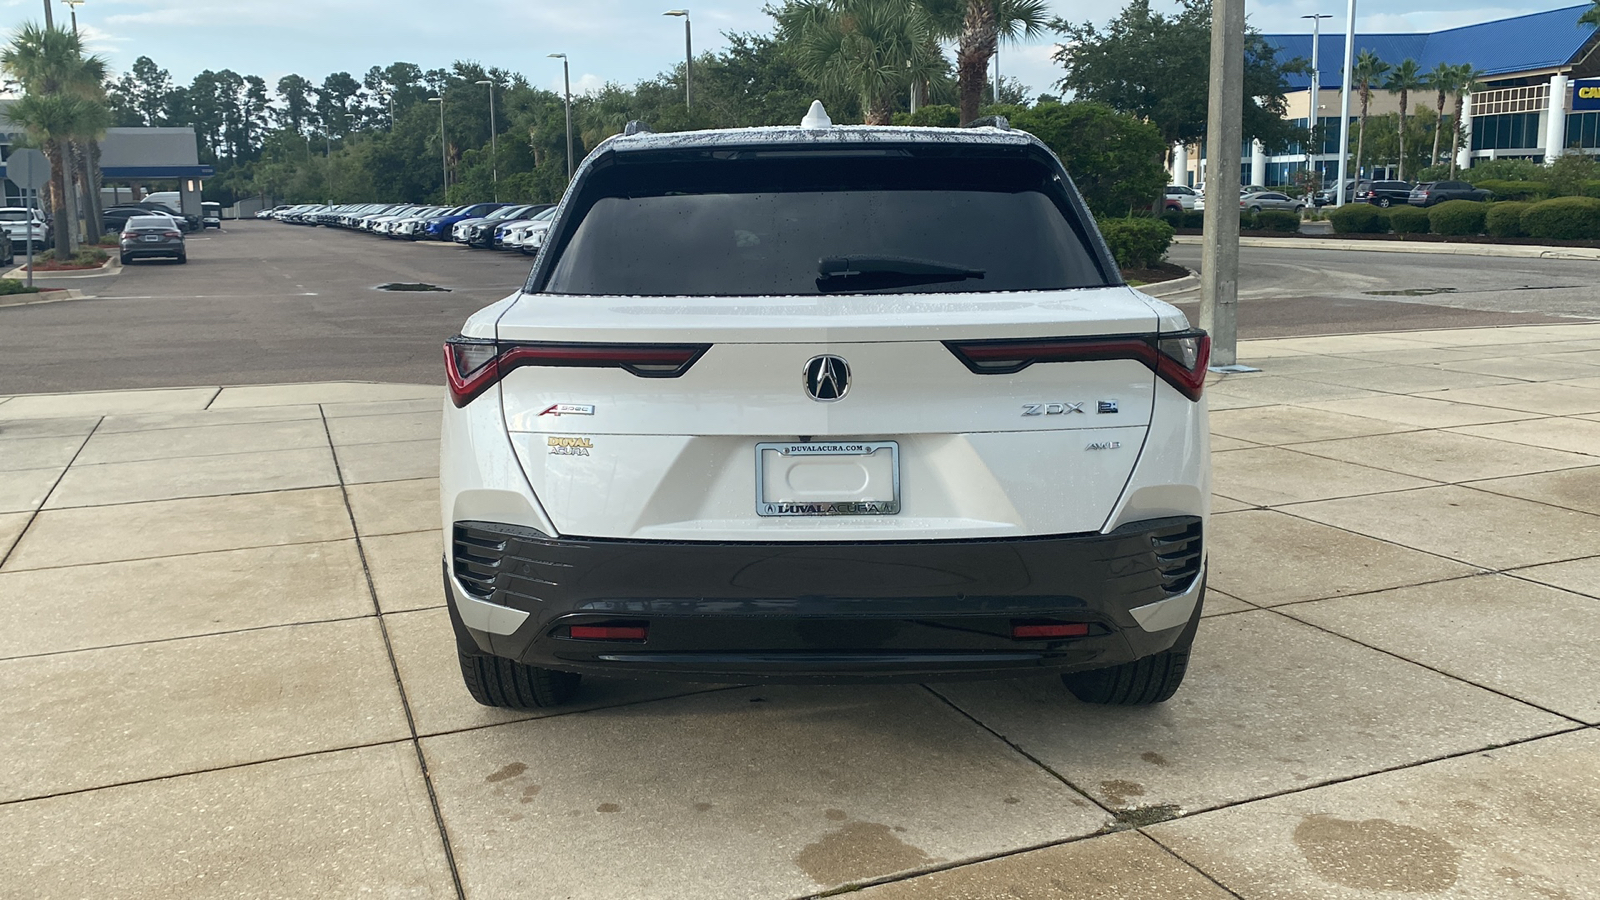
[[1142, 682], [1383, 203], [502, 683]]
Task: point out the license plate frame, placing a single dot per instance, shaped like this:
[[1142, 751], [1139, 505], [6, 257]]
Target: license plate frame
[[783, 508]]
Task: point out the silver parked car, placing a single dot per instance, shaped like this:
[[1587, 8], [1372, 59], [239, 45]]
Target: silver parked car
[[1258, 200]]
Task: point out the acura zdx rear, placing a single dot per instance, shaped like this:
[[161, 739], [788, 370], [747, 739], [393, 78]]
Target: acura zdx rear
[[825, 404]]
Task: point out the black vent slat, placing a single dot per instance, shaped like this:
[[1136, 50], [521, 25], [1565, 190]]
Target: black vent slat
[[1177, 556]]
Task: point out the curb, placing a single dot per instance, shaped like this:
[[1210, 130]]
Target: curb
[[1520, 251], [1182, 285], [55, 296], [110, 267]]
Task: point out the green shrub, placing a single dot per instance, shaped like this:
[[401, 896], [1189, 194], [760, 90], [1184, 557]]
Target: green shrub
[[1591, 189], [1408, 220], [1457, 217], [1278, 220], [1358, 218], [1570, 174], [1137, 243], [1504, 220], [1194, 218], [13, 286], [1173, 217], [1516, 190], [936, 115], [1502, 170], [1564, 219]]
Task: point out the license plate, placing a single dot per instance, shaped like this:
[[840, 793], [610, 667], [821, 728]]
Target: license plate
[[843, 478], [150, 237]]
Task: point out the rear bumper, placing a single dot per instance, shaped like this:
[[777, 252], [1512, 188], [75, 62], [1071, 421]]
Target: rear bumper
[[825, 611]]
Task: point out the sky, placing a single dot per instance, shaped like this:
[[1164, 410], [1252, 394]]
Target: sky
[[606, 40]]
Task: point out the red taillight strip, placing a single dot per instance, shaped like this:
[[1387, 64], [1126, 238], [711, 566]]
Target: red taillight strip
[[1007, 357], [642, 360]]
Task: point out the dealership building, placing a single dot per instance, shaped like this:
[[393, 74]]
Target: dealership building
[[1541, 96], [132, 161]]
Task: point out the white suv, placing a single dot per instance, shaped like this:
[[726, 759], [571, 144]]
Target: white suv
[[824, 404]]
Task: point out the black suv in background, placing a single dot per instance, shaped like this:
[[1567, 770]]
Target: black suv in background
[[1432, 192], [1383, 193]]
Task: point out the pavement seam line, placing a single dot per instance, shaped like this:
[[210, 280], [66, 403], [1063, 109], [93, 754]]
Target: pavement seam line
[[185, 637], [1018, 750], [109, 562], [33, 516], [1386, 770], [1464, 680], [1179, 857], [394, 666]]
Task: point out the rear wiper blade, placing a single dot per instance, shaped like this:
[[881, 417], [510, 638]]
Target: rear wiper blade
[[845, 266], [881, 272]]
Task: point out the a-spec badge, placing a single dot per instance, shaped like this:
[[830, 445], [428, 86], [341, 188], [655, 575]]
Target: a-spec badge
[[1104, 445], [569, 409]]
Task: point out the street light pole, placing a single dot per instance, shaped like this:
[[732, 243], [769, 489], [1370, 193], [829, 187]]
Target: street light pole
[[688, 53], [566, 84], [1219, 266], [1312, 119], [73, 6], [444, 158], [1344, 99], [494, 152], [49, 22]]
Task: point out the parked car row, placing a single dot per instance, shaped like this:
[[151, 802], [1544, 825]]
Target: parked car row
[[491, 226], [1386, 193]]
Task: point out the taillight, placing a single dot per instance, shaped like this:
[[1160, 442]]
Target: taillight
[[177, 234], [1179, 359], [472, 365]]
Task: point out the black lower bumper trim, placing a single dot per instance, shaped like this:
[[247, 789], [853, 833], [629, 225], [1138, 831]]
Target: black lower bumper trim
[[826, 612]]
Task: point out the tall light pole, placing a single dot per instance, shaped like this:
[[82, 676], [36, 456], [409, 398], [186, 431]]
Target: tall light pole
[[49, 22], [444, 159], [73, 6], [1344, 99], [688, 52], [494, 152], [328, 133], [566, 83], [1312, 119], [1219, 265]]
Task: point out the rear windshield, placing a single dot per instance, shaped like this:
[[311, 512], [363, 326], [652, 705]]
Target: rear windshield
[[732, 224]]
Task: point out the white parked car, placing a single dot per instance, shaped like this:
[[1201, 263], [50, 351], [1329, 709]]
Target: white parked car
[[824, 404], [1181, 197], [25, 226]]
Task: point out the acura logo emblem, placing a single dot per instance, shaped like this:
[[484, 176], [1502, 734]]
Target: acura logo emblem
[[827, 378]]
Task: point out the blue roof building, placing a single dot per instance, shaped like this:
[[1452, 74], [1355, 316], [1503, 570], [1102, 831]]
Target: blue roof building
[[1540, 95]]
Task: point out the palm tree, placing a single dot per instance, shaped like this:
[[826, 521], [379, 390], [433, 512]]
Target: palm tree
[[1466, 82], [977, 27], [1591, 16], [53, 120], [1368, 69], [1442, 79], [1404, 79], [49, 62], [872, 48]]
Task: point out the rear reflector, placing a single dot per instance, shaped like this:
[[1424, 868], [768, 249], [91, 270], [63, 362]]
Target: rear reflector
[[473, 365], [1054, 630], [609, 632], [1179, 359]]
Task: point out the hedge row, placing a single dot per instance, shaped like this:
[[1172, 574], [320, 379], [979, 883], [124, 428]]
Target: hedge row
[[1560, 219]]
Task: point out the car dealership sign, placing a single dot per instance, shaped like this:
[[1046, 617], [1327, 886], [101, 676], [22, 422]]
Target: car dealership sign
[[1586, 95]]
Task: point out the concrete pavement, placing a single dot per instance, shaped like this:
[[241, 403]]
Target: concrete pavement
[[225, 672]]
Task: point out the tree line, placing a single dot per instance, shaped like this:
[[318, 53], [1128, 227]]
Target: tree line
[[1139, 85]]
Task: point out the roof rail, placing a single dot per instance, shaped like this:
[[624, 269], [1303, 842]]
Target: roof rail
[[999, 122], [636, 127]]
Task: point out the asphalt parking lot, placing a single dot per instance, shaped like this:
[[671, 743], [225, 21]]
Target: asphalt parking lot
[[226, 670], [263, 302]]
